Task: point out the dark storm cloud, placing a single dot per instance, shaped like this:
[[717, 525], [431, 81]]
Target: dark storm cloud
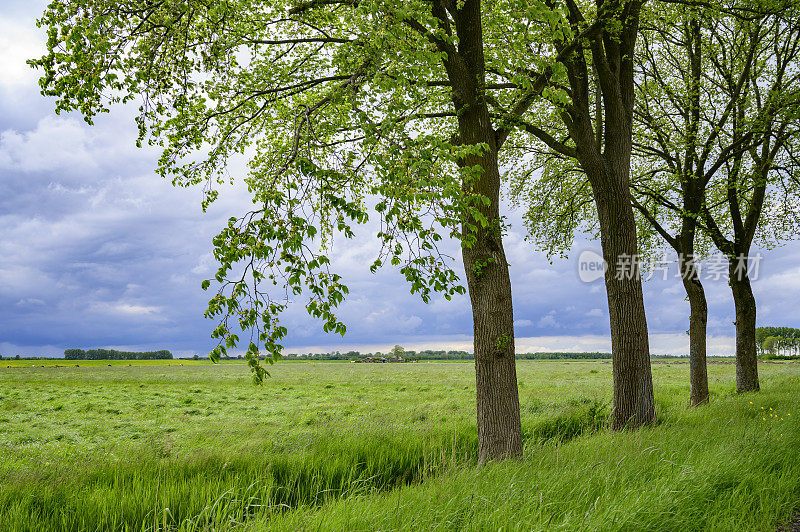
[[96, 250]]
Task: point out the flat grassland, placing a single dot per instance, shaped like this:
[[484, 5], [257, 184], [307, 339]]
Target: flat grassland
[[156, 445]]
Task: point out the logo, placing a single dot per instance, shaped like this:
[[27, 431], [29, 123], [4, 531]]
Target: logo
[[591, 266]]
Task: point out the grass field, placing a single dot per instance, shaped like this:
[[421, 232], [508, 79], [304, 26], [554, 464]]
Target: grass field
[[337, 446]]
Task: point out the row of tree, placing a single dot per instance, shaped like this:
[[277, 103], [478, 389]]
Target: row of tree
[[112, 354], [778, 341], [714, 147], [411, 354], [638, 121], [429, 354]]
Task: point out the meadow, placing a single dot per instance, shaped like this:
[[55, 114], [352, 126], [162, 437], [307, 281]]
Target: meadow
[[156, 445]]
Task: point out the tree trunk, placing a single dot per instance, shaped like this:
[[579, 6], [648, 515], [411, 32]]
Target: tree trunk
[[499, 429], [693, 192], [633, 383], [489, 283], [488, 280], [603, 150], [698, 320], [745, 303]]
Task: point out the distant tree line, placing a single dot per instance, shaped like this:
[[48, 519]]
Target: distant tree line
[[447, 355], [412, 355], [429, 354], [778, 342], [564, 356], [113, 354]]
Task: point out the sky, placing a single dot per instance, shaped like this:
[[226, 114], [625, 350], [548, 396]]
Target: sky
[[96, 250]]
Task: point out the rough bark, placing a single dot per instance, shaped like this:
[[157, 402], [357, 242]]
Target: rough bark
[[698, 321], [606, 160], [746, 354], [608, 171], [633, 403], [489, 283], [693, 194], [488, 279], [602, 137], [693, 188]]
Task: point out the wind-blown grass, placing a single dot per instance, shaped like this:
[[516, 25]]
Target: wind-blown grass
[[336, 446], [145, 492], [722, 467]]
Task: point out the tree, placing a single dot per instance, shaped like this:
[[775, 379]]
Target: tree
[[330, 101], [669, 172], [716, 107], [585, 127], [697, 71], [398, 351], [769, 344], [754, 192], [112, 354], [771, 340]]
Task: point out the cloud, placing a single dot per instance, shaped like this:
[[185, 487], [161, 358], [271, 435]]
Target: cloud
[[19, 41], [548, 321], [126, 309], [21, 104], [30, 302], [205, 264], [96, 250], [56, 144], [390, 319]]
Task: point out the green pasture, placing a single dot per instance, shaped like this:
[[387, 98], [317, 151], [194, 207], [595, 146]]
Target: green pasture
[[156, 445]]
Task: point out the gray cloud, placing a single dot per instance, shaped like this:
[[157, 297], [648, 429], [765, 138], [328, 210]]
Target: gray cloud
[[96, 250]]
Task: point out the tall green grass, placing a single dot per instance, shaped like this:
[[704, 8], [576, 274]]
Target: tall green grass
[[728, 466], [146, 492], [333, 447]]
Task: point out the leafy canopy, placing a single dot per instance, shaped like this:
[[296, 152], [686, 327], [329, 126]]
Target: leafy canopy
[[340, 108]]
